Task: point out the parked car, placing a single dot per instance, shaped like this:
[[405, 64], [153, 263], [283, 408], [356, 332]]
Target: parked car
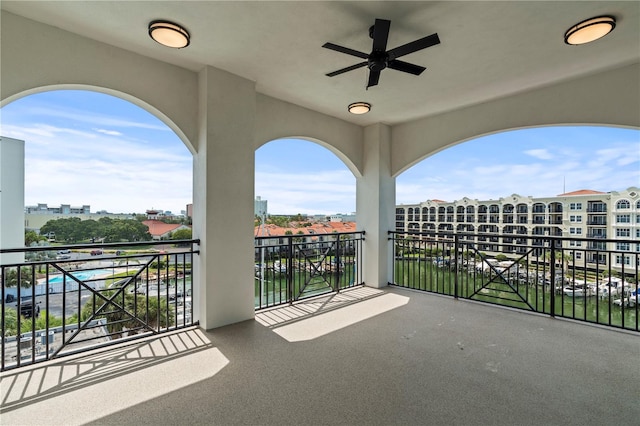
[[65, 251], [28, 309], [96, 252]]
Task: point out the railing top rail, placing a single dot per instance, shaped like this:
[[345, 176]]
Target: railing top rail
[[98, 245], [319, 234], [450, 234]]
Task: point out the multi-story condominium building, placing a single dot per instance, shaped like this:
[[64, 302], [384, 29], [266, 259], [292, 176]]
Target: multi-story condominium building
[[63, 209], [35, 217], [510, 224]]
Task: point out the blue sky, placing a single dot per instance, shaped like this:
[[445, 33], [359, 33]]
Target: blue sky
[[90, 148]]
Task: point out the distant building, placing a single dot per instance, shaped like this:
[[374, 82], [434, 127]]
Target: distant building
[[190, 210], [154, 214], [63, 209], [162, 231], [37, 216], [314, 232], [260, 207], [580, 214]]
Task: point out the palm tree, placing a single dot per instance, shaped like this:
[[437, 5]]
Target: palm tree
[[11, 277]]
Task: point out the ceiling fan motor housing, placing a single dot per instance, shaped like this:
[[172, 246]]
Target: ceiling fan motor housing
[[377, 61]]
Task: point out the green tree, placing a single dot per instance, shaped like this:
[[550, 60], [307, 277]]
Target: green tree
[[9, 322], [182, 234], [11, 277], [72, 230], [31, 238], [127, 230]]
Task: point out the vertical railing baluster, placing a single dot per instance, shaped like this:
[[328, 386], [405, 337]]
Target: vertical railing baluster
[[455, 262], [3, 312], [552, 286], [290, 269]]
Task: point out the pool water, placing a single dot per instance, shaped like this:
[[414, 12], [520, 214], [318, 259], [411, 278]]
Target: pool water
[[81, 275]]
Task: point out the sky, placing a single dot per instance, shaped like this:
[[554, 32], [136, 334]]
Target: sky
[[90, 148]]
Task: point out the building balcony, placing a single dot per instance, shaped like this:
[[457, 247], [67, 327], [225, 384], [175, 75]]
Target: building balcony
[[365, 356], [391, 346]]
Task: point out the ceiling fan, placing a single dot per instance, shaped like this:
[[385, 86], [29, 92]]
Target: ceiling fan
[[380, 58]]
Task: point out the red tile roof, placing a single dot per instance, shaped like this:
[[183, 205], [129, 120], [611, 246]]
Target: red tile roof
[[158, 228], [271, 230], [581, 192]]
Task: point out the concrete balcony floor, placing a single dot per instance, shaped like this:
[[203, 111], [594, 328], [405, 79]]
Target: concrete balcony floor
[[363, 357]]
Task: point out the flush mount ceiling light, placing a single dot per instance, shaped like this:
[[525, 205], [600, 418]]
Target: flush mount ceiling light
[[590, 30], [169, 34], [359, 108]]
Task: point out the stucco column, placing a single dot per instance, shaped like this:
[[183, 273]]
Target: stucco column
[[223, 199], [375, 203]]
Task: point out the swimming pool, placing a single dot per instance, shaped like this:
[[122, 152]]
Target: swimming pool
[[81, 275]]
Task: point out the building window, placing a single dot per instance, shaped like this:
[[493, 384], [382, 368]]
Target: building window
[[620, 259], [623, 232], [623, 218], [575, 231], [622, 246], [623, 204], [578, 255], [575, 206], [575, 218]]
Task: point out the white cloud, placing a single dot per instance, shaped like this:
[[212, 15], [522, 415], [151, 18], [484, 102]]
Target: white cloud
[[81, 116], [542, 154], [109, 132]]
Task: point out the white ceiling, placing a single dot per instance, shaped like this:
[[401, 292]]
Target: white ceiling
[[488, 49]]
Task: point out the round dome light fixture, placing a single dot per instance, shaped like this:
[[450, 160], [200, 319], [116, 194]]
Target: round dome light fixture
[[359, 108], [590, 30], [169, 34]]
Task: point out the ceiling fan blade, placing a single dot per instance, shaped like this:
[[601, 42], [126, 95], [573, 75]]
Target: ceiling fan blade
[[374, 77], [343, 70], [380, 35], [414, 46], [346, 50], [406, 67]]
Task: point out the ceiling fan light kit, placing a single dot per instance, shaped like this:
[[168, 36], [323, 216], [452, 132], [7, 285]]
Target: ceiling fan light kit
[[381, 58]]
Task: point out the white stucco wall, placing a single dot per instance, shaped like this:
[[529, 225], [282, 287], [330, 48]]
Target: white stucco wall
[[36, 57], [277, 119], [609, 98]]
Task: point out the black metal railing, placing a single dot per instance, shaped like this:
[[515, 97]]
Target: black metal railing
[[556, 276], [60, 300], [293, 267]]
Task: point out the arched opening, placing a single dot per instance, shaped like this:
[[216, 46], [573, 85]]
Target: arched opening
[[549, 200], [96, 191], [305, 222]]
